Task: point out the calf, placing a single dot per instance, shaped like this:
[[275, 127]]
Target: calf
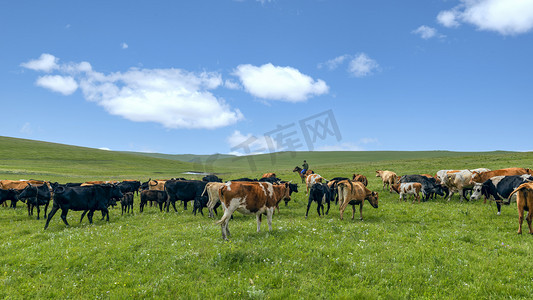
[[36, 196], [354, 193], [498, 188], [429, 185], [160, 197], [410, 188], [127, 202], [388, 178], [524, 202], [250, 198], [320, 193]]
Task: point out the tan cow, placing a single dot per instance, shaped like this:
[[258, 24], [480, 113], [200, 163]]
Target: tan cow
[[355, 193], [408, 188], [480, 177], [524, 201], [89, 183], [269, 175], [250, 198], [212, 192], [388, 178], [156, 185], [360, 178]]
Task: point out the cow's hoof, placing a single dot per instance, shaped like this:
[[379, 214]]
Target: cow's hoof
[[499, 213]]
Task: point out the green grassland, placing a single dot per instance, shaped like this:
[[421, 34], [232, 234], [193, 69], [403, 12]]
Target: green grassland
[[436, 249]]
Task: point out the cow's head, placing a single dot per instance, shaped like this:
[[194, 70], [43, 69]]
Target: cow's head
[[116, 193], [378, 173], [28, 192], [373, 199], [476, 177], [477, 191]]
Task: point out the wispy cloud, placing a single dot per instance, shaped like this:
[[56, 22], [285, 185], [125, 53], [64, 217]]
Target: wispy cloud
[[124, 46], [427, 32], [359, 65]]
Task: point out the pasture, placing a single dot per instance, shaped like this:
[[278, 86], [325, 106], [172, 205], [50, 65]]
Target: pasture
[[436, 249]]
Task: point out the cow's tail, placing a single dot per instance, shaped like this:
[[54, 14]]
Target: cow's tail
[[205, 189], [522, 186]]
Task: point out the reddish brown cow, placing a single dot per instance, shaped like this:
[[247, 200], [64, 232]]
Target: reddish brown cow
[[355, 193], [524, 201], [250, 198], [269, 175], [482, 177], [360, 178]]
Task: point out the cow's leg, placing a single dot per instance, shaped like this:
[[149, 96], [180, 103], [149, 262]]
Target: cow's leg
[[64, 216], [270, 212], [361, 210], [161, 206], [353, 211], [52, 213], [308, 206], [46, 208], [38, 211], [174, 205], [499, 207], [529, 219], [106, 211], [343, 207], [258, 217], [318, 206], [520, 218], [90, 216], [327, 211], [83, 214]]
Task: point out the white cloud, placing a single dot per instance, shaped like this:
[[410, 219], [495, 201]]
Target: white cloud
[[124, 46], [425, 32], [332, 64], [105, 148], [46, 62], [174, 98], [362, 65], [232, 85], [508, 17], [279, 83], [65, 85]]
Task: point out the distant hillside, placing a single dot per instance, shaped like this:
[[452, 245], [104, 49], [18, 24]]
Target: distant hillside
[[182, 157]]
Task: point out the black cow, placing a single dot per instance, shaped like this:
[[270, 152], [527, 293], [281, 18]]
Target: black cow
[[212, 178], [127, 202], [499, 188], [77, 198], [273, 180], [129, 186], [153, 195], [10, 194], [333, 186], [35, 196], [186, 190], [429, 185], [244, 179], [320, 193]]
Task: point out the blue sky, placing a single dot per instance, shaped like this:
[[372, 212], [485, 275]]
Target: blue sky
[[210, 76]]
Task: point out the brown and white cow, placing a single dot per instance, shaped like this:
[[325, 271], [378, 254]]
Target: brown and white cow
[[312, 179], [360, 178], [524, 201], [388, 177], [269, 175], [459, 180], [354, 193], [408, 188], [250, 198], [481, 177]]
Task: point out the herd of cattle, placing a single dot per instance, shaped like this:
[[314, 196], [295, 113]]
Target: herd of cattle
[[262, 196]]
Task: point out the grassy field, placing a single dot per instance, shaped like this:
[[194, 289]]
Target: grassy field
[[436, 249]]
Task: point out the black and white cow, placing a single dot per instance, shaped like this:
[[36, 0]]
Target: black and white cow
[[321, 194], [499, 188]]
